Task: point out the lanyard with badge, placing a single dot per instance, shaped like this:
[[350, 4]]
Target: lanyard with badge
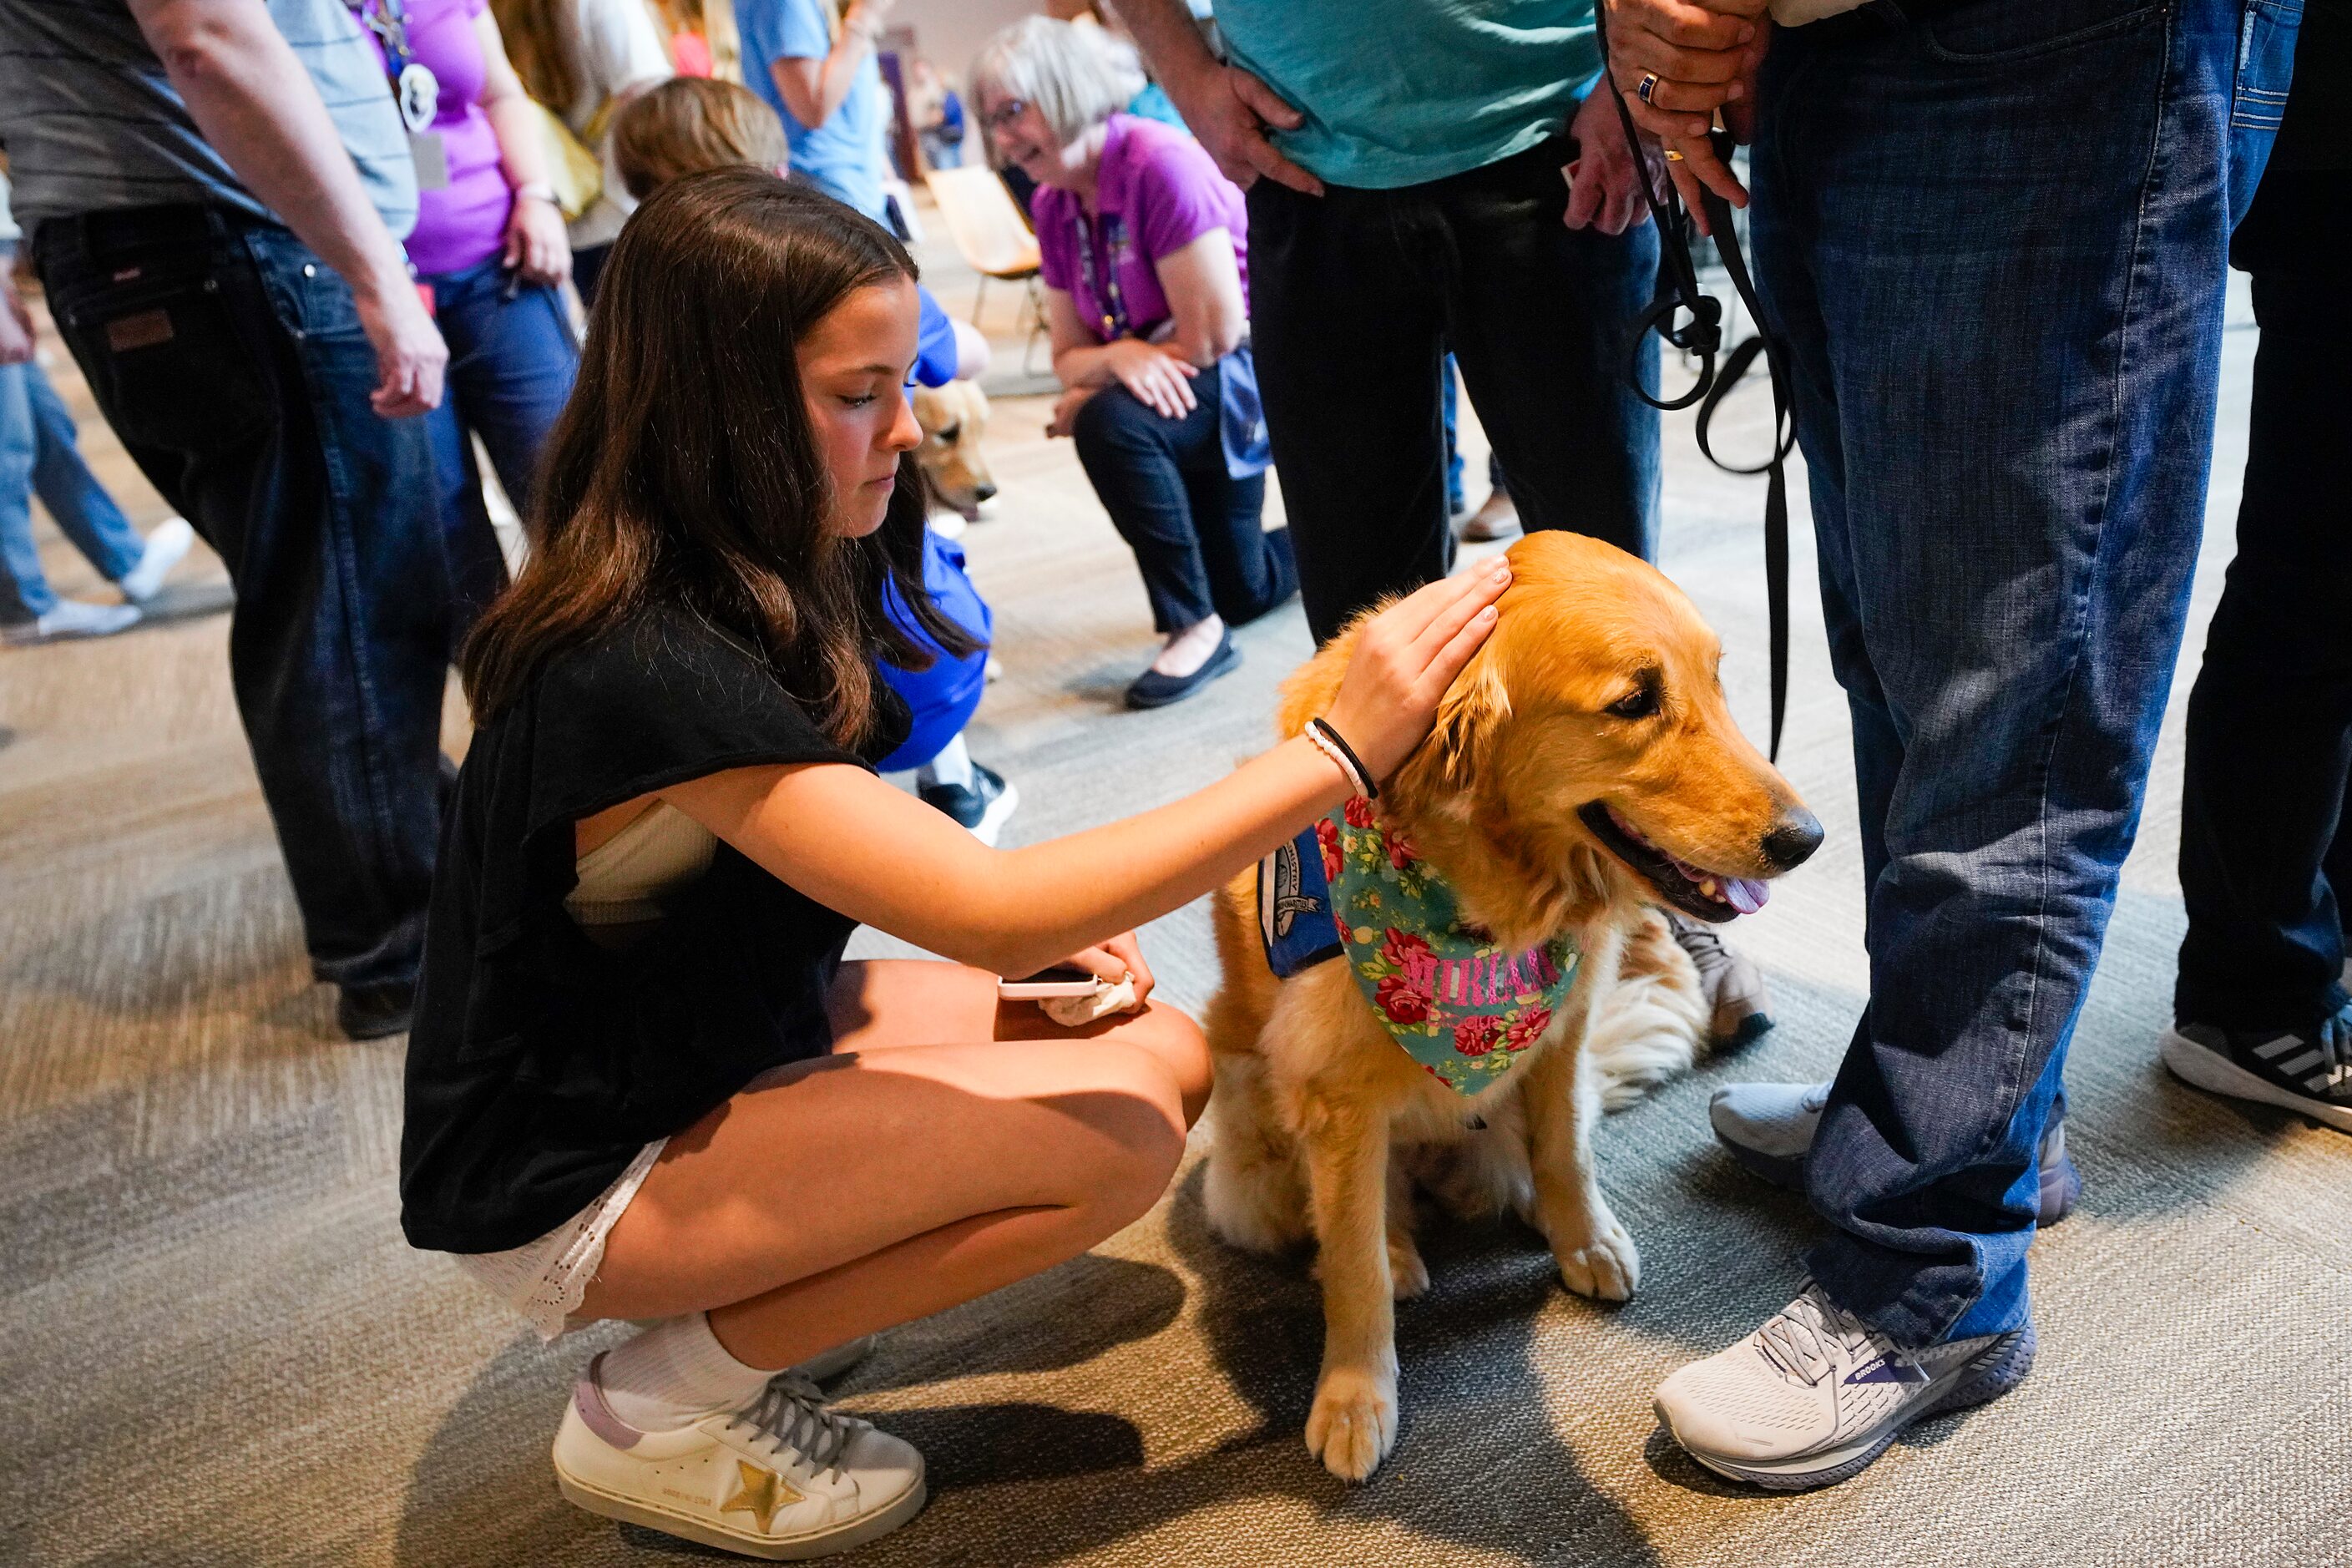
[[1102, 277], [415, 88], [1241, 416]]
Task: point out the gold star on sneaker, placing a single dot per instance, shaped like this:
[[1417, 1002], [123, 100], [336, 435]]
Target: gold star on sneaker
[[764, 1494]]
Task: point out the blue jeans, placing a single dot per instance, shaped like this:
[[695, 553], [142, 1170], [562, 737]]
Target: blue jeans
[[38, 455], [513, 360], [1993, 243], [1198, 533], [230, 360]]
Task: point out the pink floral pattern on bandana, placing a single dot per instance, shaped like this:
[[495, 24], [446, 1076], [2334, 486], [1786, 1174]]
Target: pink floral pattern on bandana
[[1460, 1005]]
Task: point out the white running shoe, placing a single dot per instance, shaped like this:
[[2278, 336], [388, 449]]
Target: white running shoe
[[73, 618], [784, 1479], [166, 547], [1815, 1394]]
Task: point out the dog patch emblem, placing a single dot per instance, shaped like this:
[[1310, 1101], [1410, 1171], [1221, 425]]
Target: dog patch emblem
[[1460, 1005], [1294, 908]]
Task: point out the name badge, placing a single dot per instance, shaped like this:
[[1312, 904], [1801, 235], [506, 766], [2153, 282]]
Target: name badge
[[432, 159]]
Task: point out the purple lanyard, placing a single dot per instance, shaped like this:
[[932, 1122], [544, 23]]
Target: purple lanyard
[[1102, 277]]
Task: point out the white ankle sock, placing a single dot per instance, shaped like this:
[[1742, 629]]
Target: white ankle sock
[[675, 1374], [952, 767]]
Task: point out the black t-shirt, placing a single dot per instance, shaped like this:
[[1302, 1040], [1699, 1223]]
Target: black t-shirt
[[540, 1063]]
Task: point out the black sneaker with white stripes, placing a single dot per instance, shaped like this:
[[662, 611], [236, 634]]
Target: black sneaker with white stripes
[[2307, 1070]]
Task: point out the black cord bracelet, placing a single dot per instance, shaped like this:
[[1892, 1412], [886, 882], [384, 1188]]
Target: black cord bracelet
[[1372, 790]]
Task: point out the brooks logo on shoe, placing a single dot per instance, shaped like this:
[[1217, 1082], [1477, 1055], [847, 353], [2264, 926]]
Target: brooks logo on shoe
[[1886, 1369]]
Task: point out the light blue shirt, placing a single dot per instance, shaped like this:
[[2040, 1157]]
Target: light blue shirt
[[1397, 92], [92, 123], [844, 155]]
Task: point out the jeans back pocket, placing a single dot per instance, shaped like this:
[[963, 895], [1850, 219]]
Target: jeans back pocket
[[166, 360]]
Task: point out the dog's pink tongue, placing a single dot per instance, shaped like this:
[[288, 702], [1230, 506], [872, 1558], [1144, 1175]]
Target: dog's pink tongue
[[1745, 894]]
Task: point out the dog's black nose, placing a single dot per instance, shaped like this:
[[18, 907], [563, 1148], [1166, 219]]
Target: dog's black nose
[[983, 492], [1793, 839]]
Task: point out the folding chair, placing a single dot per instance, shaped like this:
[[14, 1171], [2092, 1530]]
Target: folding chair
[[994, 241]]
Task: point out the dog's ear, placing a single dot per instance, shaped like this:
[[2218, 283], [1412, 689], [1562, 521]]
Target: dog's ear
[[1461, 747], [975, 407]]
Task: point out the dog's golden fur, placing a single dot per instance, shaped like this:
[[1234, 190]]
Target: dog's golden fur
[[1324, 1127], [953, 418]]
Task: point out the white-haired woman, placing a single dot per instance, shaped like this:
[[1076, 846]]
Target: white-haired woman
[[1145, 248]]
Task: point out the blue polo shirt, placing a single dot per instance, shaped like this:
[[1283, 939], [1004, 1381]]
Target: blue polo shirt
[[1397, 92], [845, 155]]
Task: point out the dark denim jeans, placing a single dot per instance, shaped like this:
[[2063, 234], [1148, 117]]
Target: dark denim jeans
[[229, 359], [513, 360], [2265, 843], [1355, 297], [1994, 245], [38, 457], [1198, 533]]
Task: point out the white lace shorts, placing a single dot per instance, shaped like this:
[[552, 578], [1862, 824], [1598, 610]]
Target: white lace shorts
[[545, 1279]]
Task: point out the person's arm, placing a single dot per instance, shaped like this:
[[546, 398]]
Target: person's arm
[[972, 353], [259, 109], [812, 86], [1157, 374], [1202, 280], [1226, 107], [882, 857], [537, 243]]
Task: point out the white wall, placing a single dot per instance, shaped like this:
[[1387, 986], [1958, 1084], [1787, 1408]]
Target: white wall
[[950, 31]]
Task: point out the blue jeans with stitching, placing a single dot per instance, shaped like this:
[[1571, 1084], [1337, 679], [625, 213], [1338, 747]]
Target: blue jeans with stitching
[[38, 457], [1993, 242], [230, 360]]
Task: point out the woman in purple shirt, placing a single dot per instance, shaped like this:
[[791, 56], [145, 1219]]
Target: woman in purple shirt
[[1145, 251], [491, 250]]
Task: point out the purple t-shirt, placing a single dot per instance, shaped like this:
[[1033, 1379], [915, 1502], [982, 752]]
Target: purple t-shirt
[[464, 224], [1156, 191]]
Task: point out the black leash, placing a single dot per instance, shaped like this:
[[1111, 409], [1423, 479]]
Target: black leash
[[1702, 335]]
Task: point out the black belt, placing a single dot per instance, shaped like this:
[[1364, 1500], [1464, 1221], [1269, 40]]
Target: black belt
[[1702, 335]]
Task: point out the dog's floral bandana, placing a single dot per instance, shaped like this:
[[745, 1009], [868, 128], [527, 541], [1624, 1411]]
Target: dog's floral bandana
[[1460, 1007]]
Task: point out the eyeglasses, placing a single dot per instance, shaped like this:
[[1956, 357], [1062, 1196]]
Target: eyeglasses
[[1002, 117]]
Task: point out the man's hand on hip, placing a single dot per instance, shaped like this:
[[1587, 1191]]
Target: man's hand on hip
[[1604, 184], [1229, 110]]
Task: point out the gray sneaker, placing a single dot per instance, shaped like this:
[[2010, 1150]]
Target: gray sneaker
[[1739, 1008], [1768, 1127]]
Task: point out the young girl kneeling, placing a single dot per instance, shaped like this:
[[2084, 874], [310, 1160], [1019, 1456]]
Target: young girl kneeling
[[642, 1083]]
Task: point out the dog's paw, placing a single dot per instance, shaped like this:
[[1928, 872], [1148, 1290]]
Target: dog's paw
[[1608, 1267], [1408, 1275], [1353, 1424]]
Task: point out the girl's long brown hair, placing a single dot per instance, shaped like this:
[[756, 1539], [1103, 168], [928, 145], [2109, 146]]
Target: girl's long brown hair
[[684, 469]]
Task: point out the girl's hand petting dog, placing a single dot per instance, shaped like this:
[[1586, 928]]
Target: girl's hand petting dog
[[1405, 659]]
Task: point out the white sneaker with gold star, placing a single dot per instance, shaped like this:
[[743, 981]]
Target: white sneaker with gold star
[[785, 1478]]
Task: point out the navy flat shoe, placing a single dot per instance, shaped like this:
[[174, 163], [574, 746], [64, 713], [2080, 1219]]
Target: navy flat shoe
[[1153, 689]]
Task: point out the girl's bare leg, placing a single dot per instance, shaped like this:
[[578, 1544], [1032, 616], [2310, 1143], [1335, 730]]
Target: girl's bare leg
[[929, 1160]]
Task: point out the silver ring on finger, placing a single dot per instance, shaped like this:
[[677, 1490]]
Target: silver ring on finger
[[1649, 84]]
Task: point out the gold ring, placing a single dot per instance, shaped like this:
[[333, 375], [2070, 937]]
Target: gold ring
[[1673, 156], [1649, 84]]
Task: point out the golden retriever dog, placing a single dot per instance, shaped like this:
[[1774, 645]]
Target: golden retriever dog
[[954, 417], [1584, 769]]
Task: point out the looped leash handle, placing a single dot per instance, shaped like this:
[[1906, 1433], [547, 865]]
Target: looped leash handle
[[1679, 290]]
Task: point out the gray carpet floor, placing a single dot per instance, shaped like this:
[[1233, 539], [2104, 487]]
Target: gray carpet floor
[[218, 1351]]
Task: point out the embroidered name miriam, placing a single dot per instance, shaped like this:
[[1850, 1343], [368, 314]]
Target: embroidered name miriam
[[1458, 1006], [1482, 982]]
